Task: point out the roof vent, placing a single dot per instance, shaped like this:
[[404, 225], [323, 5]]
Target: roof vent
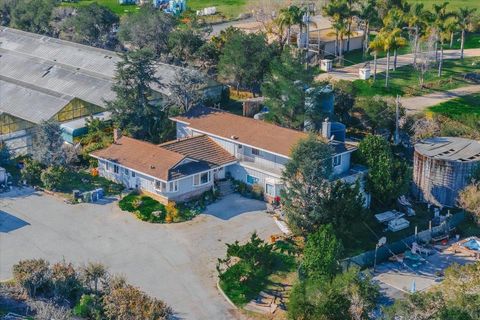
[[234, 137], [152, 166]]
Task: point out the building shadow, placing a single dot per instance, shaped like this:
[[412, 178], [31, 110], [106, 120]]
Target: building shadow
[[10, 223], [234, 205]]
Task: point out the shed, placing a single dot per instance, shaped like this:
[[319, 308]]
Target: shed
[[442, 167], [78, 127]]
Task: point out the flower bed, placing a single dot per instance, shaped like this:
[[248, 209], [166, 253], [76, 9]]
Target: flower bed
[[147, 209]]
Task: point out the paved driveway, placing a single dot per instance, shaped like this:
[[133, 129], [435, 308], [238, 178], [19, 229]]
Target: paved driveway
[[173, 262]]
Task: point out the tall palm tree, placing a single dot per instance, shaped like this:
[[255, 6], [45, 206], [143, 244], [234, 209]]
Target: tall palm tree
[[398, 41], [367, 13], [465, 19], [288, 17], [393, 22], [388, 44], [417, 19], [376, 46], [349, 15], [335, 11], [341, 29], [440, 24]]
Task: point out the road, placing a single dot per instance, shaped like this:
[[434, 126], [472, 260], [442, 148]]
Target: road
[[350, 73], [174, 262], [418, 104]]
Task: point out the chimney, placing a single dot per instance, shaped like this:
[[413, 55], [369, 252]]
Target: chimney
[[117, 134], [326, 128]]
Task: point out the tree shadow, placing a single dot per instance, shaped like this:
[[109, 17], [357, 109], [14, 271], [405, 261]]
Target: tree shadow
[[10, 223]]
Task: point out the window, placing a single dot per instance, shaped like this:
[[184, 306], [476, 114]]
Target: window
[[158, 185], [107, 166], [125, 171], [255, 152], [201, 178], [269, 189], [337, 160], [133, 174], [115, 168], [252, 179], [173, 186]]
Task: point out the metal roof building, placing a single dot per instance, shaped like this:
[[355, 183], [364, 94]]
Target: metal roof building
[[43, 78], [442, 167]]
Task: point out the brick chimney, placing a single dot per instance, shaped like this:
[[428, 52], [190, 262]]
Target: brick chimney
[[117, 134]]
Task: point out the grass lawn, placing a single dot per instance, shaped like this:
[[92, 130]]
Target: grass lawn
[[111, 4], [84, 181], [465, 110], [472, 40], [405, 81], [452, 4], [227, 8]]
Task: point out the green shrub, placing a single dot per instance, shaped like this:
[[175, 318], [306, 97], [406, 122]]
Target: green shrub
[[31, 171], [52, 177], [126, 203], [89, 307], [143, 207]]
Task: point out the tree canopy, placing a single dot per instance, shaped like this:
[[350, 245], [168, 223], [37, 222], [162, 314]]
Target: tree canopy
[[284, 90], [387, 177], [134, 109], [306, 177], [244, 60], [148, 28], [92, 25], [33, 15]]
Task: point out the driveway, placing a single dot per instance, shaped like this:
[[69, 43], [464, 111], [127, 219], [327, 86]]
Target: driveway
[[175, 262], [350, 73]]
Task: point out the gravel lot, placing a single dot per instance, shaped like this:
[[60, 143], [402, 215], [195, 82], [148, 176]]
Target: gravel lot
[[174, 262]]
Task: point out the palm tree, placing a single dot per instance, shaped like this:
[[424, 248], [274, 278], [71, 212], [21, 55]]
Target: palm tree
[[335, 10], [376, 46], [368, 14], [388, 44], [417, 19], [393, 22], [349, 15], [440, 24], [288, 17], [341, 29], [465, 19], [397, 42]]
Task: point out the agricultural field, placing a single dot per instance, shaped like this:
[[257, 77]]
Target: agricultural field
[[453, 4], [113, 5]]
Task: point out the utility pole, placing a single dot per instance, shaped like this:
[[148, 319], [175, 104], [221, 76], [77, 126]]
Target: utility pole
[[397, 115]]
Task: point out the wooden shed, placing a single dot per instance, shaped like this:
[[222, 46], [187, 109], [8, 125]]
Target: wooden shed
[[442, 167]]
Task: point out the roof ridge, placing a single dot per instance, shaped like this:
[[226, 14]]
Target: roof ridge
[[167, 143]]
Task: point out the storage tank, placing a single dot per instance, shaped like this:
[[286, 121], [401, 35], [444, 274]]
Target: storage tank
[[442, 166]]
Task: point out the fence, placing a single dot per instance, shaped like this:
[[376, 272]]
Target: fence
[[366, 259]]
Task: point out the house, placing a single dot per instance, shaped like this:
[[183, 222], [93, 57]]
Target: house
[[213, 144], [174, 171], [43, 78]]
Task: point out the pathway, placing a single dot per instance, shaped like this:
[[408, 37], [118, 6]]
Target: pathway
[[350, 73], [418, 104]]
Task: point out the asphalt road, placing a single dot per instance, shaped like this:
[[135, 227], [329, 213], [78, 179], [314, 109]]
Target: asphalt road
[[175, 262]]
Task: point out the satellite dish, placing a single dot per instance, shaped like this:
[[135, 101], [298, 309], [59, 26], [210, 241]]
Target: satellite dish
[[382, 241]]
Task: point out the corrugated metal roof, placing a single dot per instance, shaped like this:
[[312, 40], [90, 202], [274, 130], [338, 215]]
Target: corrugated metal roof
[[23, 102], [450, 148], [76, 61]]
